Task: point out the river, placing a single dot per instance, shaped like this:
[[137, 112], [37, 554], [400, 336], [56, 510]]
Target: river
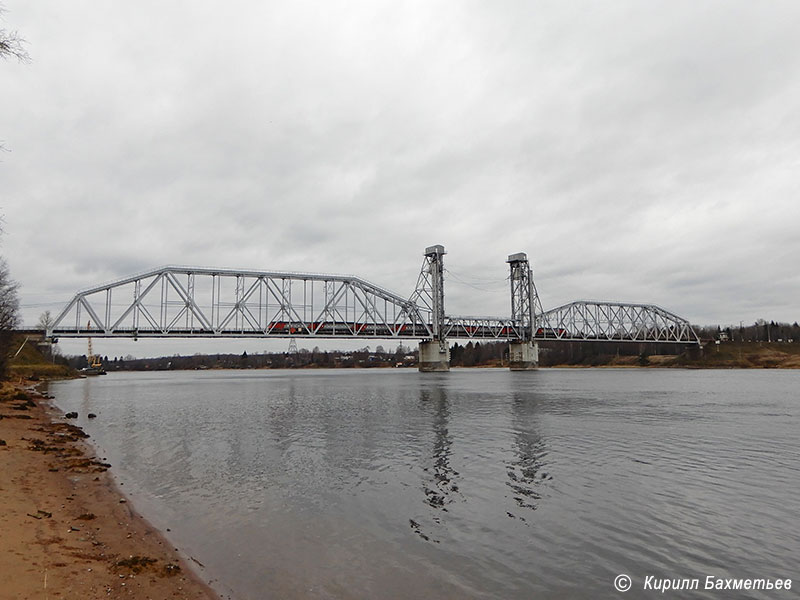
[[478, 483]]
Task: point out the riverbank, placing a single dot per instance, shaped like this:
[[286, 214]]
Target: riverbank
[[725, 355], [712, 355], [68, 532]]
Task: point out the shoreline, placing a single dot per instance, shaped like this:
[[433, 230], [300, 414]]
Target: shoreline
[[611, 365], [68, 529]]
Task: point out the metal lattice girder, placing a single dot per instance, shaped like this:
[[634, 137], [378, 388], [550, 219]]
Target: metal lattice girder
[[525, 303], [196, 302], [613, 321], [429, 293], [202, 302], [489, 328]]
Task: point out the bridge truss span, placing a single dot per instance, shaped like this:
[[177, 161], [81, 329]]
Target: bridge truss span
[[200, 302], [206, 302], [595, 321], [488, 328]]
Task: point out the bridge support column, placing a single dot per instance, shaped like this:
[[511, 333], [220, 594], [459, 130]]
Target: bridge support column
[[523, 356], [434, 357]]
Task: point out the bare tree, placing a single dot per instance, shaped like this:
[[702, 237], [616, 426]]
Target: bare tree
[[46, 321], [9, 314], [11, 45]]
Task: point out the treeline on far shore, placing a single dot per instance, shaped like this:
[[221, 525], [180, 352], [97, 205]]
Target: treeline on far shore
[[713, 354], [472, 354], [764, 344], [760, 331]]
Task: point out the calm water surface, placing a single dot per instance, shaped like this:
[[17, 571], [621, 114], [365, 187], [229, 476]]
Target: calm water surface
[[472, 484]]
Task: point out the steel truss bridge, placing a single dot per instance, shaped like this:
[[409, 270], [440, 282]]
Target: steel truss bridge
[[223, 303]]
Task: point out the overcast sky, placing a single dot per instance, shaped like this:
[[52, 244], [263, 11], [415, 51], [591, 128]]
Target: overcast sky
[[641, 151]]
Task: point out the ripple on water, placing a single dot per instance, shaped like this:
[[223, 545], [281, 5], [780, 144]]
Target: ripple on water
[[472, 484]]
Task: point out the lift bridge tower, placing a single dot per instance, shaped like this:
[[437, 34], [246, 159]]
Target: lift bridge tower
[[434, 353], [526, 310]]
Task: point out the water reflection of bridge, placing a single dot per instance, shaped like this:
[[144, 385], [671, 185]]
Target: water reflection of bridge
[[526, 474], [224, 303]]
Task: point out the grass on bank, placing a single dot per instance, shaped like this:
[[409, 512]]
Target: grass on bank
[[27, 361], [745, 355], [726, 355]]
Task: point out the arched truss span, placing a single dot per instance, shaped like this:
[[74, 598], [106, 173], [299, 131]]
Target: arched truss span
[[201, 302], [586, 320]]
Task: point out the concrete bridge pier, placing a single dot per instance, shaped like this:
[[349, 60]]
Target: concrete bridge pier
[[523, 356], [434, 356]]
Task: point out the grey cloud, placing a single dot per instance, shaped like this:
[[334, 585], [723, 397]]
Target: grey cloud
[[636, 151]]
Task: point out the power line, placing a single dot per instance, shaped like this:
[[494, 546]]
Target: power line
[[483, 285]]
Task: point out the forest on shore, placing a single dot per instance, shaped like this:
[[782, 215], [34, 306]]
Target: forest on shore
[[714, 354]]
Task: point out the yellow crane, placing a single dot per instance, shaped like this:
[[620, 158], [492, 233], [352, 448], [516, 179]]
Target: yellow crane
[[93, 360]]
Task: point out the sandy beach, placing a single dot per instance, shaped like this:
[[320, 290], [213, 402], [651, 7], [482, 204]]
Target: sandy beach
[[67, 531]]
